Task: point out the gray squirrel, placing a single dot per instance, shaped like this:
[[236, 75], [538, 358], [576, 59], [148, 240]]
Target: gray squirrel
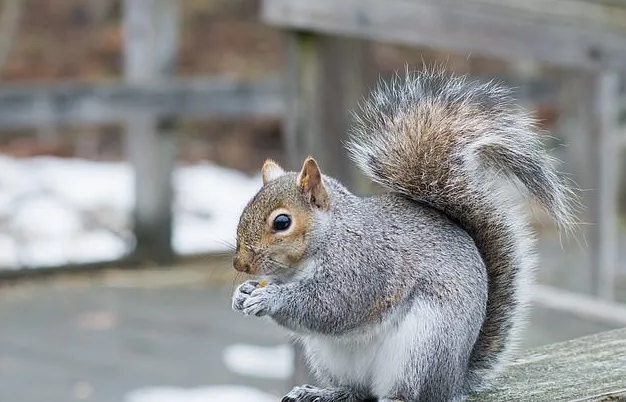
[[418, 293]]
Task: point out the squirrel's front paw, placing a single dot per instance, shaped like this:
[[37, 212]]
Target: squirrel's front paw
[[242, 292], [261, 301], [254, 300]]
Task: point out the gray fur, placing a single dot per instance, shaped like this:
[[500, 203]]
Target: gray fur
[[417, 294]]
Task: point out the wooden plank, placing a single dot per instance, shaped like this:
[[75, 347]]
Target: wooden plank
[[604, 136], [340, 58], [326, 78], [573, 125], [591, 368], [150, 29], [588, 121], [302, 120], [348, 70], [25, 106], [313, 97], [606, 14], [33, 105], [592, 38]]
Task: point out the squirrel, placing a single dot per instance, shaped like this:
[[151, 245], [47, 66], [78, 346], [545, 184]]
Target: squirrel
[[417, 293]]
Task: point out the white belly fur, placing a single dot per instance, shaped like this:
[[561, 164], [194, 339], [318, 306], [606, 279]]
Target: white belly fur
[[375, 361]]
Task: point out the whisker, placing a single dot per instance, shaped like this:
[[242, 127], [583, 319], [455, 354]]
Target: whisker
[[217, 254], [280, 264], [229, 245], [236, 281]]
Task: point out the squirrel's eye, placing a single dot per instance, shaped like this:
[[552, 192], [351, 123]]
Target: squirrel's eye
[[281, 222]]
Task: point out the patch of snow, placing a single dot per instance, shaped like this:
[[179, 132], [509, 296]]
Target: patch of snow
[[45, 217], [57, 211], [221, 393], [256, 361], [219, 193], [86, 184], [97, 244], [9, 251]]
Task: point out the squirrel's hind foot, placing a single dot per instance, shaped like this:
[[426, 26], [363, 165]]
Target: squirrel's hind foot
[[308, 393]]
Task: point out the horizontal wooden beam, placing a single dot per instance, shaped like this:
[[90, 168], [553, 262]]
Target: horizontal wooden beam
[[591, 368], [579, 305], [29, 105], [26, 105], [586, 34]]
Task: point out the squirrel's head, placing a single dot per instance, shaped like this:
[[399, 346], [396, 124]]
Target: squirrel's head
[[275, 227]]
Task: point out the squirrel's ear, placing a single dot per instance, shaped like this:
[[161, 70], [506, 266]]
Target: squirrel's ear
[[270, 171], [311, 184]]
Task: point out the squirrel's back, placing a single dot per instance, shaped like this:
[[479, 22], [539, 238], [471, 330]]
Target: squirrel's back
[[447, 142]]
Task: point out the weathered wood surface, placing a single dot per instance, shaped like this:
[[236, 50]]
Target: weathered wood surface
[[326, 78], [28, 105], [587, 369], [571, 33]]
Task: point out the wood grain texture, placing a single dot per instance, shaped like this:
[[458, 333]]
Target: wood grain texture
[[569, 33], [591, 368]]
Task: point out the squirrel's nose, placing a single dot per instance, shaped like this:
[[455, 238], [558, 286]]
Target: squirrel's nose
[[240, 265]]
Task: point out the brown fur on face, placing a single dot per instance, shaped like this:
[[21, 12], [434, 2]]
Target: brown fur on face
[[260, 248]]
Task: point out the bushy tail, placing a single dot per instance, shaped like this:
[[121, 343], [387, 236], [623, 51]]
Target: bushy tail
[[446, 141]]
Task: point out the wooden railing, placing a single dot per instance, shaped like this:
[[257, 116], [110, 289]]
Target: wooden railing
[[329, 69], [29, 105], [589, 369], [585, 39]]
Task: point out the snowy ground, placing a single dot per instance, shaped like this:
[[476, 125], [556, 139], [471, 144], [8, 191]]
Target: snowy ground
[[57, 211], [247, 360], [201, 394]]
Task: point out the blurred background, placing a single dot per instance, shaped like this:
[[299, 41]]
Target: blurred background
[[132, 133]]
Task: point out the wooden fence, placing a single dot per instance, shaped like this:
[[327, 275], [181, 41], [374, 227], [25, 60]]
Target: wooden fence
[[65, 103], [151, 99], [586, 39], [329, 67]]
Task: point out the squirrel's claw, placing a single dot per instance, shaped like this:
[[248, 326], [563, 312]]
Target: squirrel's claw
[[251, 299], [307, 393], [259, 302], [242, 292], [303, 393]]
